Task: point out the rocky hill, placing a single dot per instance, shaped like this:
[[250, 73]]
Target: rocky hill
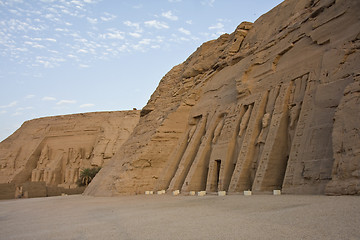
[[274, 105], [55, 149]]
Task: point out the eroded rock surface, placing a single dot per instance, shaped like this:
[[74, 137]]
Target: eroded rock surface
[[254, 109], [55, 149], [274, 105], [346, 147]]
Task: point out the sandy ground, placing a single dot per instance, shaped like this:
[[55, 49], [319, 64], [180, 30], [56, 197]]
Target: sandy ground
[[181, 217]]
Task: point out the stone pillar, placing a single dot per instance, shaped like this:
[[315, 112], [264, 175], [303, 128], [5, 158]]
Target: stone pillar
[[188, 157], [241, 176], [272, 165]]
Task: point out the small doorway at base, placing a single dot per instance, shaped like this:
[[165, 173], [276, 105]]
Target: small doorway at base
[[217, 171]]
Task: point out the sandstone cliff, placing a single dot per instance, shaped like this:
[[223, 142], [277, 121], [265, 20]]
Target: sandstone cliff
[[274, 105], [54, 149]]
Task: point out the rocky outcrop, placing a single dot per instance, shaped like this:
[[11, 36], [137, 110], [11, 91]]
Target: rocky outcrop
[[274, 105], [346, 147], [54, 149], [262, 108]]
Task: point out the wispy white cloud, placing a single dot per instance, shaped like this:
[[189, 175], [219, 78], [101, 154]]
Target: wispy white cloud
[[50, 39], [179, 39], [34, 42], [208, 3], [48, 99], [72, 56], [53, 51], [148, 43], [169, 15], [156, 24], [83, 40], [217, 26], [3, 112], [24, 108], [78, 2], [22, 49], [159, 39], [131, 24], [184, 39], [113, 34], [55, 44], [17, 1], [17, 114], [62, 30], [82, 51], [12, 104], [29, 96], [218, 29], [184, 31], [87, 105], [13, 11], [134, 25], [54, 31], [107, 17], [145, 41], [123, 48], [38, 46], [138, 6], [92, 20], [83, 66], [49, 16], [47, 62], [140, 46], [135, 34], [61, 102]]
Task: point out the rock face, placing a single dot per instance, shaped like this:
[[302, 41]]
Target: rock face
[[54, 149], [274, 105], [346, 147]]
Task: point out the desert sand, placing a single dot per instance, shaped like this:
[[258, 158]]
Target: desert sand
[[181, 217], [273, 105]]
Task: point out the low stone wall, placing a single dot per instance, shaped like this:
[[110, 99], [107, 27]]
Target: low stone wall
[[34, 189], [7, 190], [57, 191]]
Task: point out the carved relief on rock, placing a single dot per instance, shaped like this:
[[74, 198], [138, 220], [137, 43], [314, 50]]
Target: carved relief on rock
[[346, 137], [38, 173]]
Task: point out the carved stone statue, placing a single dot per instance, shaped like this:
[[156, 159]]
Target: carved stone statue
[[218, 131], [37, 174], [73, 164], [245, 120], [294, 115], [265, 123], [53, 169], [260, 144], [191, 132]]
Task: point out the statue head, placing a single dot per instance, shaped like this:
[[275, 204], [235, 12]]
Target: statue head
[[266, 120]]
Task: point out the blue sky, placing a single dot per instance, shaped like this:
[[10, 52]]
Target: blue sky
[[69, 56]]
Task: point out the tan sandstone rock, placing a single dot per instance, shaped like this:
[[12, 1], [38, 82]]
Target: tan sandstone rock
[[272, 106], [346, 147], [55, 149], [253, 110]]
